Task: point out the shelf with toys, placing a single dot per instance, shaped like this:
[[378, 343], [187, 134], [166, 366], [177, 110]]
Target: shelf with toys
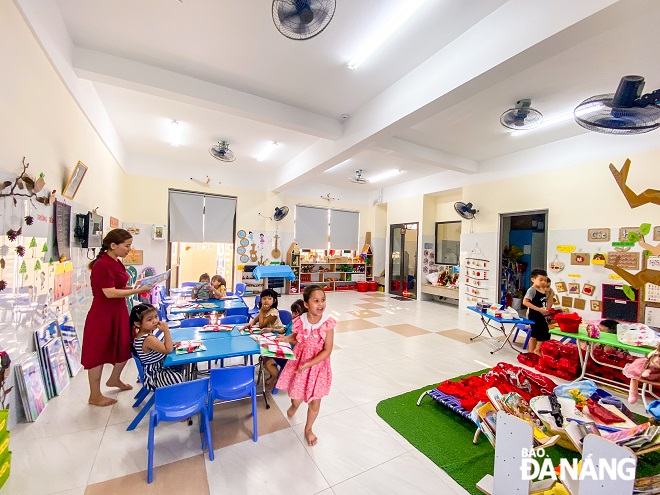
[[332, 269]]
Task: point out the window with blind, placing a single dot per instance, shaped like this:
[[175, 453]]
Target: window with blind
[[195, 217], [325, 228]]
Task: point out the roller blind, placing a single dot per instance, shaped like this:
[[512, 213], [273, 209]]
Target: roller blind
[[201, 218], [186, 214], [311, 227], [219, 215], [344, 229]]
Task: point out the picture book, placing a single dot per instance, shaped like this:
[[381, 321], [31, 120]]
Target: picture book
[[188, 346], [153, 280], [250, 331], [59, 370], [271, 347], [43, 335], [624, 435], [217, 328], [72, 348], [31, 386]]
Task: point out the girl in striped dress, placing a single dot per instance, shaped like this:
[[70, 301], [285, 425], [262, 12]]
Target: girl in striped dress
[[150, 350]]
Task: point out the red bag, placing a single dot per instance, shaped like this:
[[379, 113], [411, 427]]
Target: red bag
[[528, 359], [569, 351], [549, 361], [550, 348]]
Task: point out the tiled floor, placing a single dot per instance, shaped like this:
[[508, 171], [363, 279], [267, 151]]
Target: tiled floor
[[380, 352]]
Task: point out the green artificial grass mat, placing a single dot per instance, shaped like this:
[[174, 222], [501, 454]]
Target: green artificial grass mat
[[445, 437]]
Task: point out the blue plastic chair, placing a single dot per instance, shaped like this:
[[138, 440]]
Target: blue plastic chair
[[525, 328], [188, 284], [194, 322], [177, 402], [285, 316], [255, 310], [233, 383], [239, 290], [142, 394], [226, 320], [237, 311]]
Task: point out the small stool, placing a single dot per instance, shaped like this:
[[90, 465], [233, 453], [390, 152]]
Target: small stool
[[647, 386], [525, 328]]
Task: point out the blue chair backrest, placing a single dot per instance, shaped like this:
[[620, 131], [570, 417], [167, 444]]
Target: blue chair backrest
[[194, 322], [226, 320], [231, 378], [138, 365], [240, 289], [236, 311], [182, 395], [189, 284], [257, 300], [285, 316]]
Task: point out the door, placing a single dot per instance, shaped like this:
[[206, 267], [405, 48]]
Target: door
[[403, 260]]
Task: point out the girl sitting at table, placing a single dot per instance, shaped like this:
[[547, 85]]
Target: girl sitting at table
[[150, 350], [268, 316], [218, 284], [274, 365]]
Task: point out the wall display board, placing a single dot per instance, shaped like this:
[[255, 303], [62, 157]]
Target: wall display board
[[628, 260], [63, 230]]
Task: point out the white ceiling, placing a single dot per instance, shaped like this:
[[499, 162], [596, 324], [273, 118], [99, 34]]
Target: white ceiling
[[427, 101]]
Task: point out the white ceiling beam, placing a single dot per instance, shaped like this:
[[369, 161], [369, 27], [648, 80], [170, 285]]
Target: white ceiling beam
[[124, 73], [423, 154], [486, 54]]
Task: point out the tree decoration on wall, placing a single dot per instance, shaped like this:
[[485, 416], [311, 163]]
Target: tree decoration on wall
[[634, 200], [23, 269], [25, 186], [33, 246], [20, 250]]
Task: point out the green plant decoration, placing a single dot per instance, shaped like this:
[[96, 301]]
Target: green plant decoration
[[628, 291]]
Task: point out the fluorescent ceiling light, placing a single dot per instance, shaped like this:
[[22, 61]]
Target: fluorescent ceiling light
[[175, 133], [385, 175], [547, 123], [385, 31], [270, 147]]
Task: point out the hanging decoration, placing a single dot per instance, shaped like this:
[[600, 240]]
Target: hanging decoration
[[25, 186], [556, 266]]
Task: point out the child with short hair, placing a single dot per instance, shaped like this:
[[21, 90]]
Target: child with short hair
[[150, 350], [201, 289], [308, 377], [536, 301], [274, 365]]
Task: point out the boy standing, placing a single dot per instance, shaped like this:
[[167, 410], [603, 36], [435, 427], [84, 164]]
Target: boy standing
[[536, 301]]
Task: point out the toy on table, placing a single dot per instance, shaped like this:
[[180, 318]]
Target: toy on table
[[646, 368]]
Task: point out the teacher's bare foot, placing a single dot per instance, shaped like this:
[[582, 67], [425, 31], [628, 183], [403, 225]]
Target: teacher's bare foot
[[311, 438], [119, 384], [102, 401]]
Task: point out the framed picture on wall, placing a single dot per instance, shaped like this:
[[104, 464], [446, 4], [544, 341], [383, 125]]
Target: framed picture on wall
[[75, 179], [159, 232], [596, 305]]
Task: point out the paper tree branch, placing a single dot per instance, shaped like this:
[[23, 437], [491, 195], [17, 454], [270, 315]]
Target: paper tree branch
[[645, 276], [634, 200]]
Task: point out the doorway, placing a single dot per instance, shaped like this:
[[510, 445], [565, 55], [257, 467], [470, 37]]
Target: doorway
[[523, 248], [403, 259]]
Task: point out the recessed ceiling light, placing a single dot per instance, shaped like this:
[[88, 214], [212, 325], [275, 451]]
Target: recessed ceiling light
[[175, 133], [384, 31], [270, 147], [385, 175]]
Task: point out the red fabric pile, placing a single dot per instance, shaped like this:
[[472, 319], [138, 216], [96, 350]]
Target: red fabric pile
[[505, 377], [559, 359]]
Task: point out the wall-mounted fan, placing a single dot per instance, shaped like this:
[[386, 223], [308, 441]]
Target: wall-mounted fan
[[302, 19], [625, 112], [521, 118], [358, 179], [465, 210], [279, 214], [222, 152]]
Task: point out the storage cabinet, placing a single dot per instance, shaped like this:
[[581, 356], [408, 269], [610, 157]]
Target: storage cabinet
[[617, 306], [333, 270], [252, 286]]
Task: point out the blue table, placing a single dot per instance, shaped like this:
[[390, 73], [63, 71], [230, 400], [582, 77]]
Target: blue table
[[273, 271], [487, 322], [195, 333], [210, 305], [216, 348]]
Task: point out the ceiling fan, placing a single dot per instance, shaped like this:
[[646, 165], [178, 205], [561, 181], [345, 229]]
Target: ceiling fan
[[522, 117], [302, 19], [222, 152], [358, 179], [625, 112]]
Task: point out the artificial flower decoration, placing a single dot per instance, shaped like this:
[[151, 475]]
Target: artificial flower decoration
[[20, 250], [580, 400], [29, 220]]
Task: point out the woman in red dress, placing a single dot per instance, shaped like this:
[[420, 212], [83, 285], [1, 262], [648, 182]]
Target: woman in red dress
[[107, 337]]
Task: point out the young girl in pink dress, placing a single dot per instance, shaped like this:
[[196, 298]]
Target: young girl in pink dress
[[308, 378]]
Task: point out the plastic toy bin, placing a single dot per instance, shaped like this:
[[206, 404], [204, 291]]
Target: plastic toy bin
[[362, 286]]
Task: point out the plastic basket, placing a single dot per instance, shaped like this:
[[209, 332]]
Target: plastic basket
[[568, 323], [362, 286]]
